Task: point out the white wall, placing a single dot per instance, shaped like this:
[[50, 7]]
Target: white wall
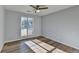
[[1, 27], [13, 25], [63, 26]]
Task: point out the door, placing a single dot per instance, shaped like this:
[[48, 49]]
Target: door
[[26, 26]]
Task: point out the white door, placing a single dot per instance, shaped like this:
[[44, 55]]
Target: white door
[[26, 27]]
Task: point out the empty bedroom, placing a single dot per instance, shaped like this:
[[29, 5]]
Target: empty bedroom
[[39, 28]]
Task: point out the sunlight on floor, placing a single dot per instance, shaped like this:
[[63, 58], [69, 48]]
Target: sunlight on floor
[[41, 47]]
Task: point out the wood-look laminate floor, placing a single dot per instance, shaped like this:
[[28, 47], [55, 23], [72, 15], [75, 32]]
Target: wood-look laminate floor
[[21, 47]]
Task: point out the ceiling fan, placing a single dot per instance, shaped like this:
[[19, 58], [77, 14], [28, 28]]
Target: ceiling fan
[[37, 8]]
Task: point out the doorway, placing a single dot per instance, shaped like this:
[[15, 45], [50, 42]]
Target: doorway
[[26, 26]]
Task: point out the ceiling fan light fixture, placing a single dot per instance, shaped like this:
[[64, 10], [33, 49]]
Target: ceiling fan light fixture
[[38, 8], [38, 11]]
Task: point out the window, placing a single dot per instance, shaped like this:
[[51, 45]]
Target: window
[[26, 26]]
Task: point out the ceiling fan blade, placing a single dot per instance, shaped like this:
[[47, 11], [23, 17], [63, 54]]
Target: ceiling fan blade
[[43, 8], [33, 6]]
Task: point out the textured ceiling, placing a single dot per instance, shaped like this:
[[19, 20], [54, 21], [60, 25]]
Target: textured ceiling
[[30, 10]]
